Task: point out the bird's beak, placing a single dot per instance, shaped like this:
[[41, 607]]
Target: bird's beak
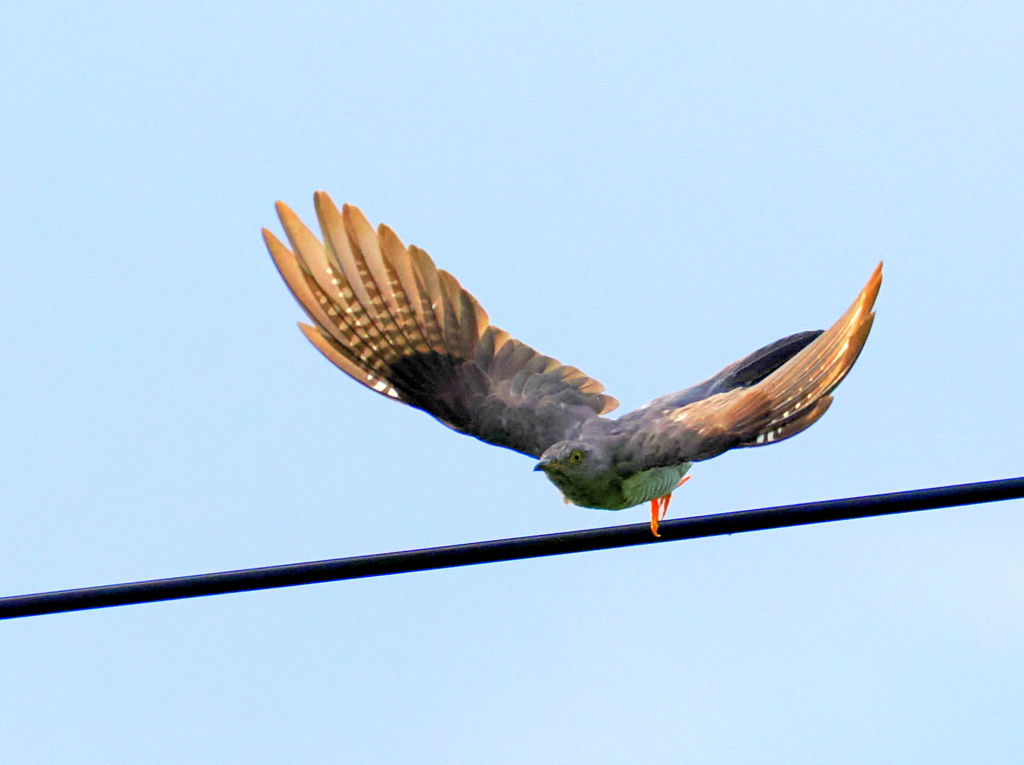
[[545, 464], [540, 466]]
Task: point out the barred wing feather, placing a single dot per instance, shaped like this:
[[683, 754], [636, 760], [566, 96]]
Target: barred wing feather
[[385, 315], [769, 408]]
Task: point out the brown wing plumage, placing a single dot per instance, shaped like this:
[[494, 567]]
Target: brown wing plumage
[[387, 317], [782, 404]]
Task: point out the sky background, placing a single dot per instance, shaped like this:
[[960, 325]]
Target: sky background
[[647, 192]]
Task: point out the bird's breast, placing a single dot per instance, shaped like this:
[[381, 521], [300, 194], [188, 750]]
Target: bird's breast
[[610, 492]]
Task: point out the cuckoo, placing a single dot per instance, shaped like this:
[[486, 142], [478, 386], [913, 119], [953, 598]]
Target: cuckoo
[[385, 315]]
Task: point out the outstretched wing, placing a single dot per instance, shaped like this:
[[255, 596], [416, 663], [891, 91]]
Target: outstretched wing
[[748, 371], [387, 317], [769, 396]]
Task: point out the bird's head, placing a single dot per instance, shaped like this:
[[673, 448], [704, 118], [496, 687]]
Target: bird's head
[[581, 470]]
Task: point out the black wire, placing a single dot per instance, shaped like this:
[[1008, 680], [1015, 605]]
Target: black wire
[[506, 549]]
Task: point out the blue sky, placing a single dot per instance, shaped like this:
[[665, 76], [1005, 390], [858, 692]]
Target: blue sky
[[647, 192]]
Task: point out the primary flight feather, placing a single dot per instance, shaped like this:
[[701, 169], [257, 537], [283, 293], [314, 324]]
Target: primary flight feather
[[387, 317]]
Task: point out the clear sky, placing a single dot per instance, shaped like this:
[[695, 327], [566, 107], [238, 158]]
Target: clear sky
[[647, 192]]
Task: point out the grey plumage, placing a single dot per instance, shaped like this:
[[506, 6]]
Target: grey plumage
[[385, 315]]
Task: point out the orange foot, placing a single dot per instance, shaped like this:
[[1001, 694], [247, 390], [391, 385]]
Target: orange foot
[[659, 506]]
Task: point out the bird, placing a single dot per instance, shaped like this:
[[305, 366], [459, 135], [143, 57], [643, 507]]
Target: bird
[[384, 314]]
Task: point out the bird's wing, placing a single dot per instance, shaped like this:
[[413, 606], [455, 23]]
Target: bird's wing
[[387, 317], [749, 370], [769, 396]]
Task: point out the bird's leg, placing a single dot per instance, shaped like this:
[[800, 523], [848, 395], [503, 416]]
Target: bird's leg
[[659, 507], [656, 514]]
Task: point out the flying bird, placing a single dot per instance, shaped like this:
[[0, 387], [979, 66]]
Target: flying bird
[[385, 315]]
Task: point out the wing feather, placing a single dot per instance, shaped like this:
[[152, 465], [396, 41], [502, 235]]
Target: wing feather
[[769, 409], [429, 292], [385, 315], [333, 292], [321, 309]]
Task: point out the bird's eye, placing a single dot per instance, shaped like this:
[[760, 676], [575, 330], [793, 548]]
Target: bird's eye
[[576, 457]]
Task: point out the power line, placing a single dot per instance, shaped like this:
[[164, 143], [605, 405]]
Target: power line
[[507, 549]]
